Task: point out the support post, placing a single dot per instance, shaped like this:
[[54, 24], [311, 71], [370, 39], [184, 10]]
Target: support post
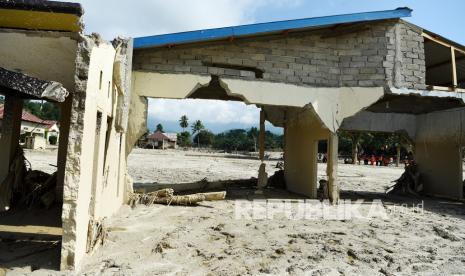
[[261, 139], [65, 121], [11, 128], [262, 175], [398, 155], [454, 67], [332, 167]]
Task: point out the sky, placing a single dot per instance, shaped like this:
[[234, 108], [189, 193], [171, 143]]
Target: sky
[[113, 18]]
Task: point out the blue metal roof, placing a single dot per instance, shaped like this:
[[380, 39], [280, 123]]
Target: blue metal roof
[[265, 28]]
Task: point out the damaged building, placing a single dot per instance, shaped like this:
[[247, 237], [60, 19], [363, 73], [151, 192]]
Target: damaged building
[[45, 56], [360, 72], [313, 77]]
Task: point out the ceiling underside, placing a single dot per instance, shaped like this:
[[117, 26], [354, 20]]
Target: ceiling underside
[[413, 104]]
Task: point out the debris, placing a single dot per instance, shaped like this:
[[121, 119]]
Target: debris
[[106, 264], [352, 255], [166, 197], [96, 235], [39, 188], [262, 176], [277, 180], [149, 198], [323, 192], [445, 234], [161, 246], [219, 227], [13, 181], [280, 165], [201, 185], [408, 183]]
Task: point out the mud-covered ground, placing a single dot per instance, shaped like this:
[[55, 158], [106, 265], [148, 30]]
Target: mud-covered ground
[[383, 235]]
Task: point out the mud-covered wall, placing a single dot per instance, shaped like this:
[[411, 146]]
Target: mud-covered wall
[[439, 140], [302, 131], [94, 185]]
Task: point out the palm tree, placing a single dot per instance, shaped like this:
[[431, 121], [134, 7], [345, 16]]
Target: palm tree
[[184, 122], [197, 127], [160, 127]]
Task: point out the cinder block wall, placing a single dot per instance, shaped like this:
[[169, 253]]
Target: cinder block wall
[[388, 53]]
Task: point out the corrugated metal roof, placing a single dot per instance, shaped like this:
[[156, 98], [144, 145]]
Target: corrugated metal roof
[[266, 28]]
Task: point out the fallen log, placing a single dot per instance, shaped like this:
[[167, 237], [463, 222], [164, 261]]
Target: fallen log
[[167, 197], [148, 198], [192, 199]]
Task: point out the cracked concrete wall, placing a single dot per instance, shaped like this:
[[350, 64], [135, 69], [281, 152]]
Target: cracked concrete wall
[[438, 137], [94, 185], [388, 53], [439, 140]]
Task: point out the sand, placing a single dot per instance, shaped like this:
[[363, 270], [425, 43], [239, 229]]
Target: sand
[[423, 236]]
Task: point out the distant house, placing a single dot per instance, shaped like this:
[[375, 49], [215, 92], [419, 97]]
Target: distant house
[[161, 140], [35, 132]]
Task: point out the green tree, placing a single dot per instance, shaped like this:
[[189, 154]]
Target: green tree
[[160, 128], [205, 138], [196, 128], [184, 139], [184, 122], [43, 110]]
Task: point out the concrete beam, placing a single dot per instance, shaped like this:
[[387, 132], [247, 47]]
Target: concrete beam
[[381, 122]]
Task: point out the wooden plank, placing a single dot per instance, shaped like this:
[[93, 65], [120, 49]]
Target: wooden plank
[[441, 42], [32, 229], [454, 67], [440, 88]]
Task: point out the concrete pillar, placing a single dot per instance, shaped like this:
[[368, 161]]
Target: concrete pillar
[[303, 132], [11, 128], [262, 175], [331, 168], [261, 139]]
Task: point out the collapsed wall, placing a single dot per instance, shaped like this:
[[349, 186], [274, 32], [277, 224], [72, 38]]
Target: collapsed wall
[[95, 173]]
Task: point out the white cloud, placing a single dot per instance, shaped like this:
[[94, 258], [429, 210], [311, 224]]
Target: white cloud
[[208, 111], [150, 17], [112, 18]]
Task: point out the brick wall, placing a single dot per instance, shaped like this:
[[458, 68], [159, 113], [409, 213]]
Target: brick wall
[[367, 58]]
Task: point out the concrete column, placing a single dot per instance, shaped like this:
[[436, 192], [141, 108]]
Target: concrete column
[[331, 168], [261, 139], [303, 132], [262, 175], [11, 128]]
